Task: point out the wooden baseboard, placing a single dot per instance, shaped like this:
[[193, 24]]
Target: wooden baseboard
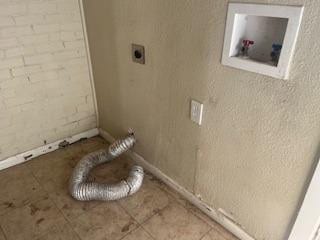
[[216, 215], [26, 156]]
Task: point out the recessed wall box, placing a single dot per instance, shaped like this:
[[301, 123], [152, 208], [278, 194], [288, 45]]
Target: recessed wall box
[[137, 52], [261, 38]]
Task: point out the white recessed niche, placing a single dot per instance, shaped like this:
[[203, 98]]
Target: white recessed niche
[[270, 32]]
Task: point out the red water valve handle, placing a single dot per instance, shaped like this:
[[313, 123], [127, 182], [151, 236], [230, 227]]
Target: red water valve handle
[[247, 43]]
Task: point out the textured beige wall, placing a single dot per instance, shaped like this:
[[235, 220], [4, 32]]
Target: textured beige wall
[[45, 91], [259, 139]]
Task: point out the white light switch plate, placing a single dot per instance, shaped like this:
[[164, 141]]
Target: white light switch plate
[[196, 112]]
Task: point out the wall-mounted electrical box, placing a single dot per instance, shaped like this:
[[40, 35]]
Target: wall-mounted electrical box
[[261, 38], [137, 52]]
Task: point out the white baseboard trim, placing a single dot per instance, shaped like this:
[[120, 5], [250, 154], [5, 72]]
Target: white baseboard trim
[[26, 156], [307, 223], [218, 216]]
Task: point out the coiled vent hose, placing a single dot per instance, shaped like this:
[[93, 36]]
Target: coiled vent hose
[[82, 190]]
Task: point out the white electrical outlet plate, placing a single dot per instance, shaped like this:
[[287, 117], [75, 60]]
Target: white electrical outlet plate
[[196, 112]]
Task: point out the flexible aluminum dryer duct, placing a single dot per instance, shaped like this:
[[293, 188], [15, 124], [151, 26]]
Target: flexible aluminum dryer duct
[[82, 190]]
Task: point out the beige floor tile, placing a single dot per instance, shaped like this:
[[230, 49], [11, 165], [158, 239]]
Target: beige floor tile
[[32, 221], [84, 147], [148, 201], [17, 188], [224, 233], [216, 226], [196, 211], [93, 144], [2, 237], [55, 165], [213, 235], [60, 233], [176, 223], [60, 163], [70, 207], [106, 221], [113, 171], [138, 234], [54, 173]]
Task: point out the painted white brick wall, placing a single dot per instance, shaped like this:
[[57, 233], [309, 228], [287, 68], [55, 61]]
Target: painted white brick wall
[[45, 91]]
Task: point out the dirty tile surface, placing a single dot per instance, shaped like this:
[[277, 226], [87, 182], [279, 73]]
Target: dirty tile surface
[[32, 221], [213, 235], [139, 233], [176, 222], [147, 202], [35, 204], [2, 237], [17, 188]]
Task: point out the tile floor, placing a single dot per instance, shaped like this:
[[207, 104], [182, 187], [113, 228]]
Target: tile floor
[[35, 204]]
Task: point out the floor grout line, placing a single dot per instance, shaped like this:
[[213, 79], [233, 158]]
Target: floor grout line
[[175, 200], [205, 233], [53, 202], [138, 224], [30, 201], [5, 236], [148, 232], [144, 221], [65, 218], [187, 209], [38, 200], [155, 214]]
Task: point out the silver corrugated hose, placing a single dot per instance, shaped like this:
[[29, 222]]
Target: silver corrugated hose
[[82, 190]]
